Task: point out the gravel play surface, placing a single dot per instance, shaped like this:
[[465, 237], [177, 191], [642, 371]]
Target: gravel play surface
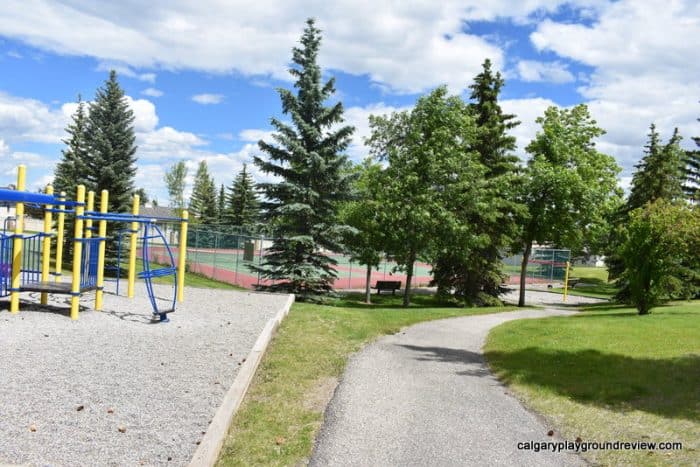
[[114, 389]]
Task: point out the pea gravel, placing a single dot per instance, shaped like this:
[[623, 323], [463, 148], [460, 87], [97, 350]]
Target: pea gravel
[[113, 388]]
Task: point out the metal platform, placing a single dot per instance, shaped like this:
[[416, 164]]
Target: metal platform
[[52, 287]]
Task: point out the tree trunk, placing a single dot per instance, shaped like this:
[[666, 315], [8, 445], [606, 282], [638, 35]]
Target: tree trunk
[[523, 272], [368, 291], [409, 277]]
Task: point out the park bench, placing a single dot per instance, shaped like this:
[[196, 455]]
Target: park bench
[[573, 281], [387, 285]]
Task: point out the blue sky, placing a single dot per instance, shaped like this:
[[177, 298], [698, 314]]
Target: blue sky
[[201, 78]]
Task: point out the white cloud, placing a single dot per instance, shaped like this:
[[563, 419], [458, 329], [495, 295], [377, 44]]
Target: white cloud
[[526, 111], [552, 72], [167, 143], [30, 120], [152, 92], [403, 47], [125, 70], [255, 135], [643, 57], [207, 99]]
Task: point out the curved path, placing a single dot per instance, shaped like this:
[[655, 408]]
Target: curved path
[[425, 396]]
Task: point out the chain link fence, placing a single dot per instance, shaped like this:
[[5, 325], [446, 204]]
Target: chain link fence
[[228, 257], [546, 265]]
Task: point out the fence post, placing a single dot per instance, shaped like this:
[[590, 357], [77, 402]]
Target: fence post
[[235, 274], [216, 255], [182, 257]]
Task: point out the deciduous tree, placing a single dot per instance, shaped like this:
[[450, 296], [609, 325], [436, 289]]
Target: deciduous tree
[[660, 253], [175, 181], [570, 187]]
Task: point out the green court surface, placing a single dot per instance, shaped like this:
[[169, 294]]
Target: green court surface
[[233, 261]]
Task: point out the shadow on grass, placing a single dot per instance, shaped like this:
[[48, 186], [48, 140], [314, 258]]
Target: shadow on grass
[[666, 387]]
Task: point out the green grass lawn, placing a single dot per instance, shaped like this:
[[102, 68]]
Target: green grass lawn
[[609, 374], [283, 409], [191, 279]]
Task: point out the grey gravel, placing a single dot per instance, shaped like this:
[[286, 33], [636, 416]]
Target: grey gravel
[[542, 297], [162, 382], [425, 396]]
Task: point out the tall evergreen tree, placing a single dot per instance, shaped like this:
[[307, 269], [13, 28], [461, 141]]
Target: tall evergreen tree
[[203, 200], [242, 204], [493, 143], [112, 162], [307, 156], [72, 169], [220, 205], [175, 180], [660, 173], [692, 173], [477, 277]]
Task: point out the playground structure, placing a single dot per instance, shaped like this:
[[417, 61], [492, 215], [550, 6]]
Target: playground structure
[[25, 259]]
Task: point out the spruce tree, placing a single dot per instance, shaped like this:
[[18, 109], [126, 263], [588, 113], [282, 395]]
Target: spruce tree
[[660, 173], [203, 200], [476, 276], [308, 158], [493, 143], [72, 169], [692, 173], [220, 205], [112, 161], [242, 204]]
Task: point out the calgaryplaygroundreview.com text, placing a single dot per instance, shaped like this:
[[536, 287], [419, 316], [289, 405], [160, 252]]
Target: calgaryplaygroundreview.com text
[[585, 446]]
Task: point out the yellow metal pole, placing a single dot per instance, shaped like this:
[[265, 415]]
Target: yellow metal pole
[[17, 244], [90, 207], [77, 253], [182, 256], [60, 225], [46, 247], [131, 278], [102, 232], [566, 281]]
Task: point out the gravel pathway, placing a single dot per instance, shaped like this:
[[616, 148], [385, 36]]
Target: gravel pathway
[[113, 389], [544, 298], [425, 396]]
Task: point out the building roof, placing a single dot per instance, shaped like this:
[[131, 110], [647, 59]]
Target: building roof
[[157, 211]]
